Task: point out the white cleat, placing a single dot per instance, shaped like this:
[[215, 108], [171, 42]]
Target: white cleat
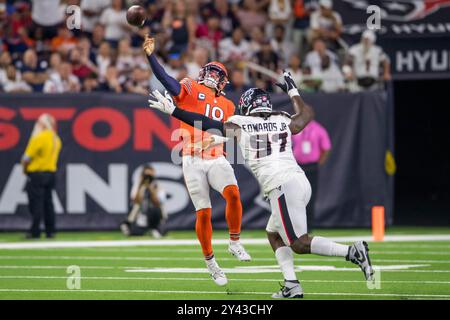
[[216, 273], [238, 250], [289, 291]]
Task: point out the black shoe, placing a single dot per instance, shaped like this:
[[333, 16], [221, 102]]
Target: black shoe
[[50, 235], [32, 236]]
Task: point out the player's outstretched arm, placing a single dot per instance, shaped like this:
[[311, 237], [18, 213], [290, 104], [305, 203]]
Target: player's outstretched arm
[[303, 113], [166, 105], [171, 84]]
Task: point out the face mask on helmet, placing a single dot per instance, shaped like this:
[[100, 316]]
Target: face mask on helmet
[[213, 77], [255, 100]]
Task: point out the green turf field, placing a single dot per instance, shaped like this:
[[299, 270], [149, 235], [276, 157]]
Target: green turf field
[[413, 269]]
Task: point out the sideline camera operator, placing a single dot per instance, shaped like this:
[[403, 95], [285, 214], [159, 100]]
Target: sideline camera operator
[[147, 214]]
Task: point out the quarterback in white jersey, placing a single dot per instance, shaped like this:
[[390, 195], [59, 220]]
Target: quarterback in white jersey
[[265, 140]]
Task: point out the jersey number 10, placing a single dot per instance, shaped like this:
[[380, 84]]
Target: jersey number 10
[[262, 143], [214, 113]]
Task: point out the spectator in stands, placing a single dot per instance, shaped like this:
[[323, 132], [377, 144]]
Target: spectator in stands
[[91, 11], [87, 52], [180, 25], [138, 82], [40, 164], [98, 36], [174, 66], [125, 61], [326, 24], [311, 149], [33, 71], [91, 84], [81, 65], [301, 11], [115, 22], [55, 60], [314, 58], [199, 59], [365, 59], [309, 83], [280, 11], [13, 82], [64, 41], [281, 44], [209, 34], [5, 61], [256, 39], [235, 48], [237, 84], [228, 20], [103, 59], [331, 76], [268, 59], [252, 14], [63, 80], [294, 67], [47, 15], [111, 81]]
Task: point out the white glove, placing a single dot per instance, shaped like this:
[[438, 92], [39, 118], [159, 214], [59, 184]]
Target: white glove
[[162, 103]]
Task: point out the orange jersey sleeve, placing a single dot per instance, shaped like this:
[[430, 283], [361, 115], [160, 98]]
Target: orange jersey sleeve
[[187, 95]]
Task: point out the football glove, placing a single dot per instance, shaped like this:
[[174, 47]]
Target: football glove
[[289, 85], [162, 103]]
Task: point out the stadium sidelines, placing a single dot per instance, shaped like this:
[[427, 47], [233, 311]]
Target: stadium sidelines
[[189, 242]]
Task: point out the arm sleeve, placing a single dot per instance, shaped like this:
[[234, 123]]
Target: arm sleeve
[[171, 84], [196, 119]]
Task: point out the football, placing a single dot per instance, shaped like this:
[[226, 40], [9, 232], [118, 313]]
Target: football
[[136, 16]]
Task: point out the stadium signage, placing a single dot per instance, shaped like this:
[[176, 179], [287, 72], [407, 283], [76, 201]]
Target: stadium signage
[[107, 137], [120, 129], [414, 33]]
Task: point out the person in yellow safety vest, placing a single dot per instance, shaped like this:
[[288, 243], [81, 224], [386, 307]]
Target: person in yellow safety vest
[[40, 164]]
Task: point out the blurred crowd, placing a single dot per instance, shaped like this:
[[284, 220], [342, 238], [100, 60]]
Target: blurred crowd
[[256, 40]]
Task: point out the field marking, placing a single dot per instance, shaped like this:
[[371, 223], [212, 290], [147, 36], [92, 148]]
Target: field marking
[[225, 293], [191, 242], [413, 251], [209, 279], [266, 269], [138, 258], [64, 267]]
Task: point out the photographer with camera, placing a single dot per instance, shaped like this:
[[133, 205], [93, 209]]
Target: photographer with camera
[[147, 214]]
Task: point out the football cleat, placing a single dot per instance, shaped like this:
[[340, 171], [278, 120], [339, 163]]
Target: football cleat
[[216, 273], [358, 253], [290, 290], [238, 250]]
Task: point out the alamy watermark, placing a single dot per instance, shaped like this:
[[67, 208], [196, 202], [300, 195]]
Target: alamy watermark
[[375, 284], [73, 281], [374, 20]]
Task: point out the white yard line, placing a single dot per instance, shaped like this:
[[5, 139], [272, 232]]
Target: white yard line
[[133, 268], [412, 251], [209, 279], [162, 258], [194, 242], [446, 296]]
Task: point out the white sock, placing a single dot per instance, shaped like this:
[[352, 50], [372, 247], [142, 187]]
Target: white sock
[[285, 260], [325, 247]]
